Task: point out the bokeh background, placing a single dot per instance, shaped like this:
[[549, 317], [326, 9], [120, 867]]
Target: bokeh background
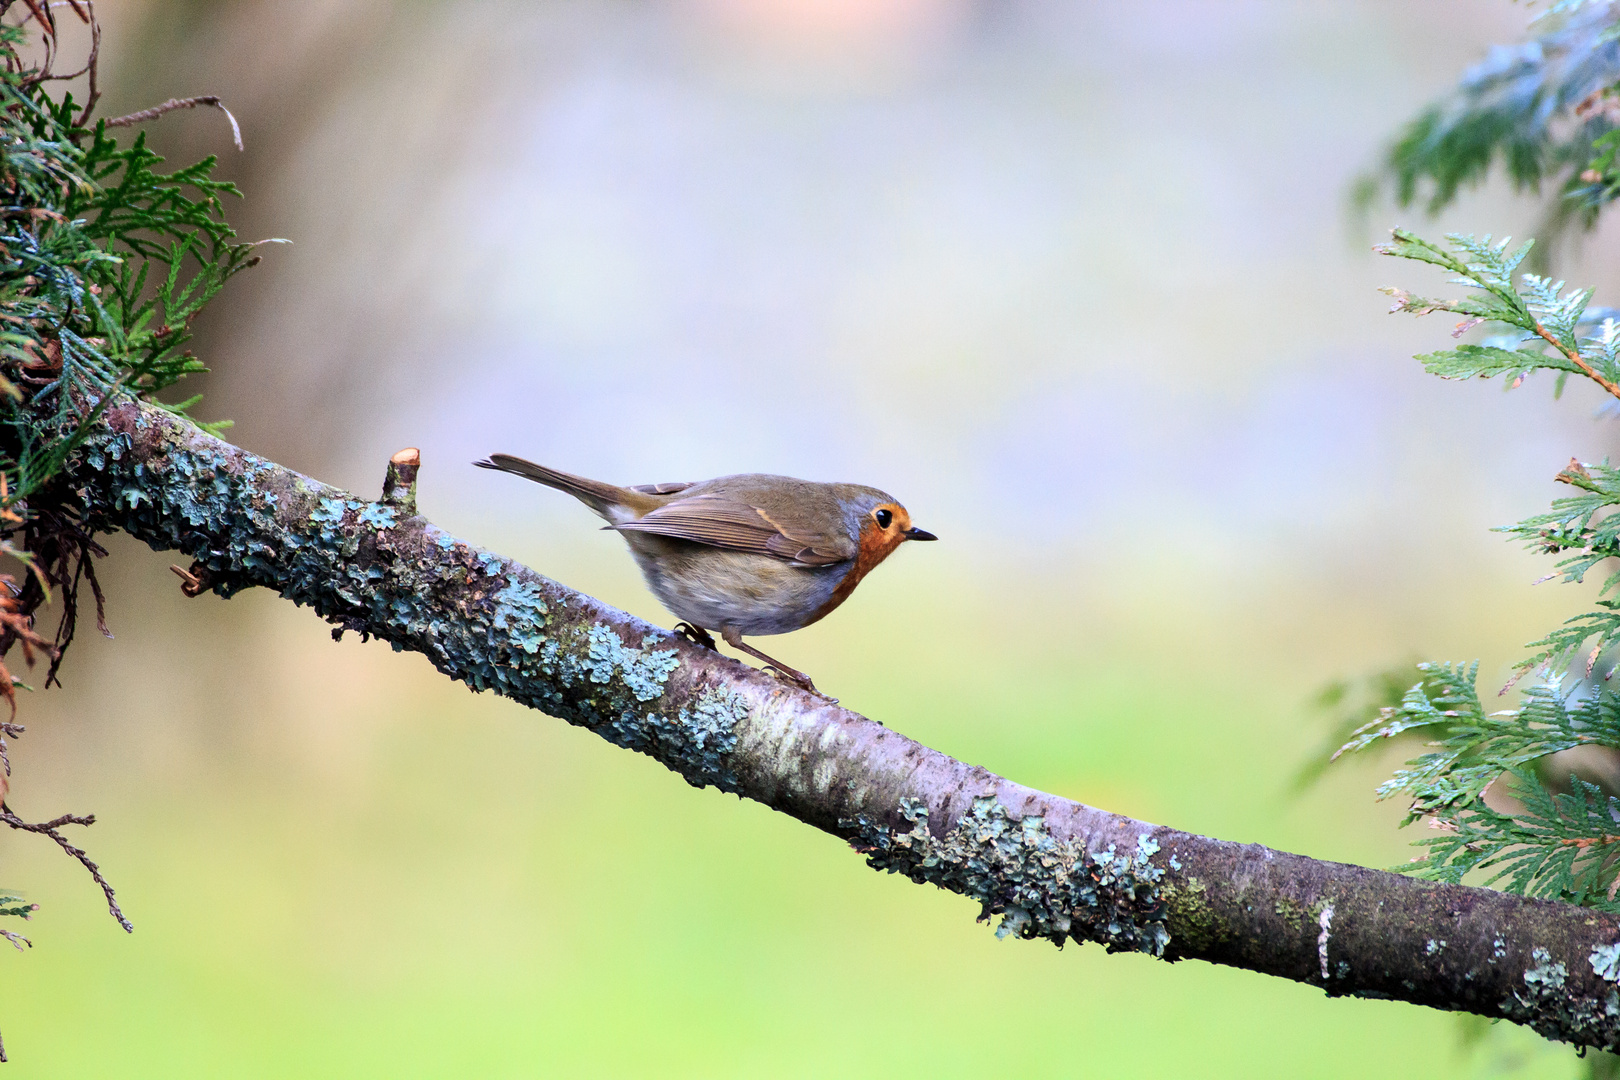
[[1077, 282]]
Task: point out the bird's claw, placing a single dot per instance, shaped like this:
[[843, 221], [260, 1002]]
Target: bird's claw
[[801, 680], [774, 666], [696, 635]]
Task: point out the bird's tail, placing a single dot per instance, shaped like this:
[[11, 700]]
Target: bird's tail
[[593, 493]]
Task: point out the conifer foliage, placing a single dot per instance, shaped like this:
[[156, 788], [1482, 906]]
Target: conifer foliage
[[104, 262], [1547, 109], [1562, 840]]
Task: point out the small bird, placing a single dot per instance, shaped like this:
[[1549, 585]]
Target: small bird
[[752, 554]]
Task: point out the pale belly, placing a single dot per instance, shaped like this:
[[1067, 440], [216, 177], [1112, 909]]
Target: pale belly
[[733, 590]]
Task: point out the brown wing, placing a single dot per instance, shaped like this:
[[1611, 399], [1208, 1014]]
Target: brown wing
[[724, 522]]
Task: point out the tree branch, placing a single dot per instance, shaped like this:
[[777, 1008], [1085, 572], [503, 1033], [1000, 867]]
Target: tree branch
[[1050, 867]]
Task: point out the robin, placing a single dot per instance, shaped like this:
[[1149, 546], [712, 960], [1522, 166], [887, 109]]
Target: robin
[[752, 554]]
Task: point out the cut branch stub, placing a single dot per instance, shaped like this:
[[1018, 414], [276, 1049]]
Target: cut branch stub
[[193, 582], [399, 485]]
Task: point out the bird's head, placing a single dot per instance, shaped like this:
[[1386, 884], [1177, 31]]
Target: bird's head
[[881, 525]]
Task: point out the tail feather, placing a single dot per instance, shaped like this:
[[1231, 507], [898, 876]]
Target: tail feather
[[593, 493]]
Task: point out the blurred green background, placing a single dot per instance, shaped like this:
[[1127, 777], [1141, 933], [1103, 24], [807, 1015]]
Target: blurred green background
[[1075, 282]]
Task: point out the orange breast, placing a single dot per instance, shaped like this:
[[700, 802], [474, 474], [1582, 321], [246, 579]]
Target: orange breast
[[874, 548]]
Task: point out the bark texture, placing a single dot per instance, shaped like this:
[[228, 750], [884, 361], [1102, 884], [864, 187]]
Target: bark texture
[[1050, 867]]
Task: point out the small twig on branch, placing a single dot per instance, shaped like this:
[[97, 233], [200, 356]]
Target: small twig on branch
[[179, 103], [399, 483], [52, 829], [90, 65], [193, 582], [41, 14], [61, 557]]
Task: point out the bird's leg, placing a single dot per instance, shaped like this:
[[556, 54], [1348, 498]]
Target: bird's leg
[[696, 635], [793, 675]]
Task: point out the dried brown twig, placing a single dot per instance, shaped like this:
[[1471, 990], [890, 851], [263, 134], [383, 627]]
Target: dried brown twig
[[61, 556], [52, 829], [179, 103]]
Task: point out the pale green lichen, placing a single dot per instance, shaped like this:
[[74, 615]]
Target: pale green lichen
[[713, 717], [1605, 961], [1291, 911], [1548, 1005], [1041, 886], [644, 671], [1197, 924], [329, 511], [1546, 972], [521, 612], [378, 516], [697, 741]]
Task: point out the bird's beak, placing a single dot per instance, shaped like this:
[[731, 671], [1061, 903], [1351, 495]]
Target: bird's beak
[[920, 534]]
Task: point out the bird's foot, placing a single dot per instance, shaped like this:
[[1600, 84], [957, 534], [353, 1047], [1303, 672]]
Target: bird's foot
[[696, 635], [799, 679], [775, 666]]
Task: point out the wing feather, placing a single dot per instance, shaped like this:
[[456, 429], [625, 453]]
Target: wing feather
[[724, 522], [661, 489]]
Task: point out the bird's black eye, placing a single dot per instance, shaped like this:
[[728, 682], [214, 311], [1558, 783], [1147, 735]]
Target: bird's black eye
[[883, 517]]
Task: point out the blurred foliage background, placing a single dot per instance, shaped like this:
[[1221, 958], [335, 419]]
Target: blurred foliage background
[[1076, 282]]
